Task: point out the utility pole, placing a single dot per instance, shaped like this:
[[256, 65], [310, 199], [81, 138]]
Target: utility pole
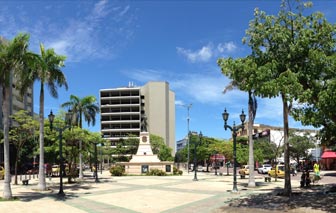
[[188, 120]]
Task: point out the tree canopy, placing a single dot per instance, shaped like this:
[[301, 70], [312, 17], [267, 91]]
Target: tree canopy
[[292, 57]]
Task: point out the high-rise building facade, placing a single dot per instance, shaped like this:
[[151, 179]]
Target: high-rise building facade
[[17, 102], [123, 109]]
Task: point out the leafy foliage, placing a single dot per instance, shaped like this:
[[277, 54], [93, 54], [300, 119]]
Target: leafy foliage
[[160, 148], [23, 132], [293, 56], [299, 146], [156, 172], [117, 170]]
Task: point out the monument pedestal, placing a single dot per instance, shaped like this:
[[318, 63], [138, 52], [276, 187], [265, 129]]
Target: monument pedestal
[[144, 160]]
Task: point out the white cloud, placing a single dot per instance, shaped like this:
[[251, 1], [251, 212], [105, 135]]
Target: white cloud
[[84, 30], [206, 53], [202, 55], [145, 75], [179, 103], [199, 87], [226, 47]]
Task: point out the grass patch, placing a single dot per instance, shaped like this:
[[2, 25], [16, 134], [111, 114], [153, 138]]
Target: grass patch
[[12, 199]]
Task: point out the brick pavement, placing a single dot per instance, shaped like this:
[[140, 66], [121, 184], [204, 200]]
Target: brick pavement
[[136, 194]]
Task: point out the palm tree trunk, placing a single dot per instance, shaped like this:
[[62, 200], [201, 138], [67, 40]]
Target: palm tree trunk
[[7, 192], [42, 182], [251, 182], [81, 176], [288, 188]]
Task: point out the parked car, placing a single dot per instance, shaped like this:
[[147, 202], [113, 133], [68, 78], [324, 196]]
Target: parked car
[[200, 168], [2, 173], [264, 168], [278, 170], [244, 170]]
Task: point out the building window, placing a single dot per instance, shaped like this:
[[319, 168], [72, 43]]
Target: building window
[[144, 168], [168, 168]]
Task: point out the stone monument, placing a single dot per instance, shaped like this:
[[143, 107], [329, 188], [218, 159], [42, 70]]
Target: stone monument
[[144, 160]]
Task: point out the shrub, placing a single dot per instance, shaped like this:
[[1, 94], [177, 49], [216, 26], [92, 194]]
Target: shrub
[[176, 171], [117, 170], [156, 172]]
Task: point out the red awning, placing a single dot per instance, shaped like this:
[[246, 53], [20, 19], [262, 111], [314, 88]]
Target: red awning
[[328, 154], [217, 157]]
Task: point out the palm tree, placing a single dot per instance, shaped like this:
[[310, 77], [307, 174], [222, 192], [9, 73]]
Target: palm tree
[[252, 110], [14, 59], [80, 107], [48, 72]]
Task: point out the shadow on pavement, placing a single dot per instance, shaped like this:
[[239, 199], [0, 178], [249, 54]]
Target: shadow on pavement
[[315, 197]]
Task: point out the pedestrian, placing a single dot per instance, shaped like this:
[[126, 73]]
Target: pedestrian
[[317, 169], [303, 179], [94, 171]]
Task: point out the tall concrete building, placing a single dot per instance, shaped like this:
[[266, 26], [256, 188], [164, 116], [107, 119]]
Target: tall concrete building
[[124, 108], [17, 102]]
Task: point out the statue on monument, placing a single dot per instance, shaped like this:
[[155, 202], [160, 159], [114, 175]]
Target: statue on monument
[[143, 123]]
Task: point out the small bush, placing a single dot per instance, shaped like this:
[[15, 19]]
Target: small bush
[[156, 172], [117, 170], [176, 171]]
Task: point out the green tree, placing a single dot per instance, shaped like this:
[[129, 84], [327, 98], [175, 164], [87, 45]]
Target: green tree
[[20, 134], [85, 107], [160, 148], [72, 139], [252, 110], [299, 146], [268, 149], [82, 107], [15, 59], [49, 72], [286, 49]]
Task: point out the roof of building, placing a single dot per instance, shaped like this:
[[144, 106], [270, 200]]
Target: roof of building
[[328, 154]]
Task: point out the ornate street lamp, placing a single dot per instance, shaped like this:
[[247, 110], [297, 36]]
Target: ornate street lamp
[[195, 154], [96, 163], [60, 130], [234, 130]]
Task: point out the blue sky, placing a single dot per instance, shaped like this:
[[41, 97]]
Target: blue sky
[[110, 43]]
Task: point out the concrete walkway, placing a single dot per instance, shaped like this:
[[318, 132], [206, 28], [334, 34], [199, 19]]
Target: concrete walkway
[[135, 194]]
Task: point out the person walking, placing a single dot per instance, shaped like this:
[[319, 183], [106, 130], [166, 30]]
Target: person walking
[[317, 169]]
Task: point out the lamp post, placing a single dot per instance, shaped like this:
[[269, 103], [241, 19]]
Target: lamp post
[[60, 130], [96, 164], [188, 121], [234, 130], [101, 158], [215, 163], [195, 154]]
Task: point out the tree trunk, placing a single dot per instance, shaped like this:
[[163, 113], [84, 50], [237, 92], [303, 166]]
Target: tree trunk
[[7, 192], [42, 182], [15, 169], [288, 188], [251, 182]]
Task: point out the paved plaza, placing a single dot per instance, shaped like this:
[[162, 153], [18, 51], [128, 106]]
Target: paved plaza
[[137, 194]]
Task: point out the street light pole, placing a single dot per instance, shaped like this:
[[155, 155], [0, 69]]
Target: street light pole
[[101, 159], [96, 164], [60, 132], [234, 130], [188, 121], [195, 155]]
